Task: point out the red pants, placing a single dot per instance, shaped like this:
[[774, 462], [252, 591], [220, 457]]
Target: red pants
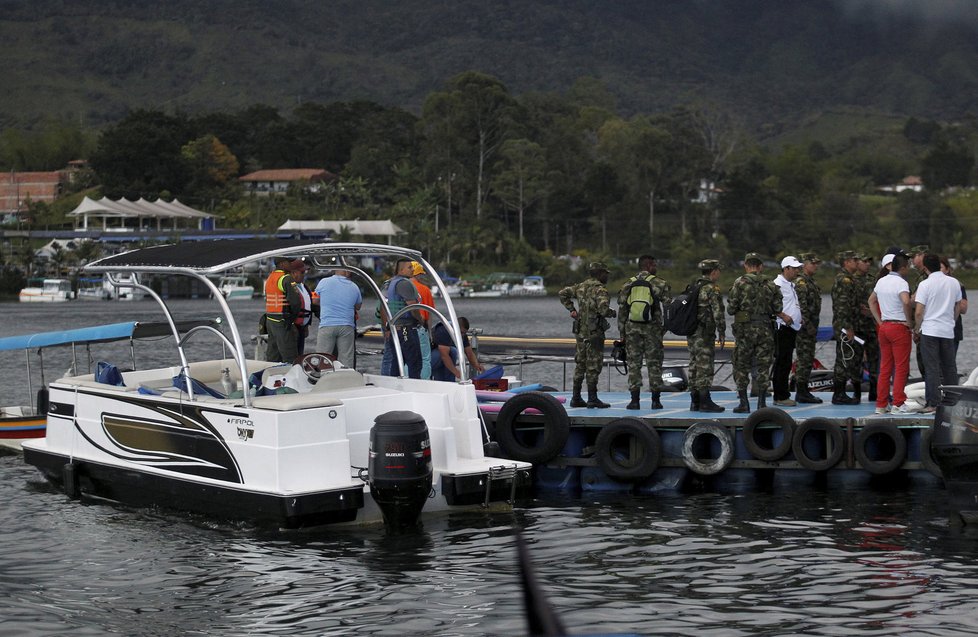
[[895, 345]]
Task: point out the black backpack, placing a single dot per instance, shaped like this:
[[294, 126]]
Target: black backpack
[[681, 315]]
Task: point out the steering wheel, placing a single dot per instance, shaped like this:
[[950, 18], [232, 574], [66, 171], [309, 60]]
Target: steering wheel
[[314, 364]]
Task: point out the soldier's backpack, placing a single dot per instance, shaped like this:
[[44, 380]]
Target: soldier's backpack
[[641, 301], [680, 316]]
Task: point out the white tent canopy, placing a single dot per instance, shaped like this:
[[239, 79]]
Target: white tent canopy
[[141, 210], [356, 227]]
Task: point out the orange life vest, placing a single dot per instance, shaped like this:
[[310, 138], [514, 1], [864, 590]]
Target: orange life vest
[[274, 292]]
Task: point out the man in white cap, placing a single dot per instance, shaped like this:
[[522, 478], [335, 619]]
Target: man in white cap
[[786, 330]]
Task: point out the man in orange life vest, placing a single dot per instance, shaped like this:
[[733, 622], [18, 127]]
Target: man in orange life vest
[[283, 304]]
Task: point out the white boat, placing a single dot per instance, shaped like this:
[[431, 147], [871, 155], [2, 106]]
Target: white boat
[[93, 289], [236, 288], [531, 286], [216, 437], [50, 291]]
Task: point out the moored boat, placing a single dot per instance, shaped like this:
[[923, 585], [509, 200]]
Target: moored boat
[[286, 445], [236, 288], [50, 291]]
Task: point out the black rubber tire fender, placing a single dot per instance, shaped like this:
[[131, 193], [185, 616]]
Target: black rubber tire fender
[[926, 456], [880, 467], [647, 440], [834, 432], [555, 422], [769, 416], [716, 465]]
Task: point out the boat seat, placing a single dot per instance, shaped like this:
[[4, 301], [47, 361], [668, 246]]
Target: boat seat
[[344, 378], [290, 402]]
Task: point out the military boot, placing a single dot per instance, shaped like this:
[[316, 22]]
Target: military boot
[[839, 396], [592, 398], [694, 400], [762, 400], [857, 393], [656, 403], [871, 396], [576, 400], [707, 404], [634, 404], [803, 395], [744, 406]]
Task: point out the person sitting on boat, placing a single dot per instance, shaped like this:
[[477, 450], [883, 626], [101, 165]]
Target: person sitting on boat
[[282, 305], [426, 298], [339, 300], [444, 354], [400, 294]]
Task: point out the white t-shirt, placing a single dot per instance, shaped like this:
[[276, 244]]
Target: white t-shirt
[[938, 293], [888, 291], [789, 302]]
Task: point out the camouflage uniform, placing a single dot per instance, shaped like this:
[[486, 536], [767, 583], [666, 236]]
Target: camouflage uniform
[[753, 301], [593, 309], [810, 300], [866, 327], [845, 310], [643, 341], [712, 324]]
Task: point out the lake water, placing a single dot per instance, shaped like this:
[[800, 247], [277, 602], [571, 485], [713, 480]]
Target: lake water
[[843, 561]]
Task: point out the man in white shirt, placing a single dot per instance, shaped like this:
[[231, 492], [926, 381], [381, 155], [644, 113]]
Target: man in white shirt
[[890, 306], [938, 301], [786, 329]]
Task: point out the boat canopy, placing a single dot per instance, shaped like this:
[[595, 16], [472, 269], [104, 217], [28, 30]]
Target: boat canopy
[[220, 256], [97, 334]]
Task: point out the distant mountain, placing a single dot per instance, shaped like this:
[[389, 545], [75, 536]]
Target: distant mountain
[[774, 62]]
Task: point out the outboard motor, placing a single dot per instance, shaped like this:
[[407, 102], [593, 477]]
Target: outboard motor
[[954, 446], [399, 470]]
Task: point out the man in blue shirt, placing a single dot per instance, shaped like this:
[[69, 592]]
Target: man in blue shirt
[[339, 306]]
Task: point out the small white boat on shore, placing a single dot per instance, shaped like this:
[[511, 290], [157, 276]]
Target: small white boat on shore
[[531, 286], [50, 291]]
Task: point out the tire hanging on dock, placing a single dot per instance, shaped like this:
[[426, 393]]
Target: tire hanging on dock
[[537, 447], [616, 443], [926, 457], [711, 466], [835, 444], [888, 432], [764, 418]]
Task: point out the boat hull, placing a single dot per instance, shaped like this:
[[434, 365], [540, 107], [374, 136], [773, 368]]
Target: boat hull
[[954, 445], [14, 430]]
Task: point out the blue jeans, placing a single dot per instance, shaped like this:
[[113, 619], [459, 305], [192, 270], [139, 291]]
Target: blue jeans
[[410, 350]]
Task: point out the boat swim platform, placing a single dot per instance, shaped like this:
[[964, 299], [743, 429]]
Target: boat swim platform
[[721, 452]]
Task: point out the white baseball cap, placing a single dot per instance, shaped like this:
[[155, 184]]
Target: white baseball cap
[[886, 260], [790, 262]]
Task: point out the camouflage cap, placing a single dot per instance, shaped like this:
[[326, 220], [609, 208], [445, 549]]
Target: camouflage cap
[[919, 249], [709, 264], [810, 257], [753, 257], [862, 256], [597, 266], [845, 255]]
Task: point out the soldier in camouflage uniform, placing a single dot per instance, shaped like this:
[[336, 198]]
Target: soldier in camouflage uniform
[[845, 311], [711, 322], [640, 327], [810, 300], [590, 323], [753, 301], [866, 324]]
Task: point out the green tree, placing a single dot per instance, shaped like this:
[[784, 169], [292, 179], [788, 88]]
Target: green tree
[[213, 167], [520, 181]]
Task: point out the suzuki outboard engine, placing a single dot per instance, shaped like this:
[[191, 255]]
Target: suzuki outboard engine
[[399, 472], [954, 446]]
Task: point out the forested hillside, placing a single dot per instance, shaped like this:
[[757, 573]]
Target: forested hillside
[[772, 62]]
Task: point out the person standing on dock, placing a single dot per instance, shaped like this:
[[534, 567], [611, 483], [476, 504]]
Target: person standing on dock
[[938, 307], [710, 322], [890, 306], [865, 324], [640, 327], [787, 326], [590, 324], [752, 301], [810, 301], [848, 351]]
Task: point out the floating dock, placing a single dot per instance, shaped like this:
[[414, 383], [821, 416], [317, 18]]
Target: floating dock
[[675, 449]]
